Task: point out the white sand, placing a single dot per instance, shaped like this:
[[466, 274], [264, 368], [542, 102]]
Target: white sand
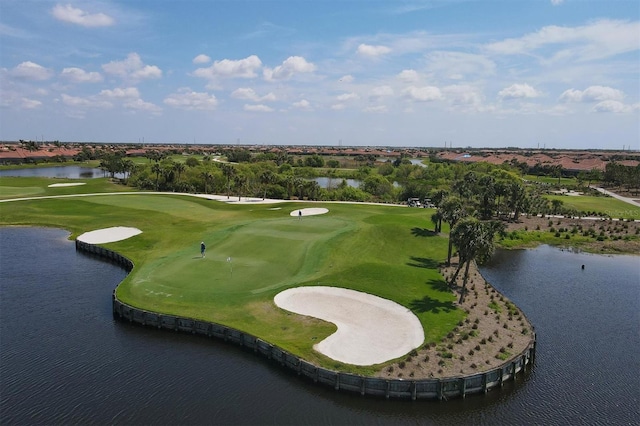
[[309, 211], [58, 185], [371, 330], [109, 235]]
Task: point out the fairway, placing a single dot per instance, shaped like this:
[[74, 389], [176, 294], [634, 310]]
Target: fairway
[[256, 251]]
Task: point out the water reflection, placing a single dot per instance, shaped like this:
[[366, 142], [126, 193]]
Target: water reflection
[[68, 172]]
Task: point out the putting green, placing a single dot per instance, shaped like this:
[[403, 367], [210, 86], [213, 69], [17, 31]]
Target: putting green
[[256, 251]]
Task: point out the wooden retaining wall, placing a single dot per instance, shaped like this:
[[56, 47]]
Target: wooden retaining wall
[[443, 388]]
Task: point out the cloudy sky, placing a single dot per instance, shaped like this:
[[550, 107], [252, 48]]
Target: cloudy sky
[[480, 73]]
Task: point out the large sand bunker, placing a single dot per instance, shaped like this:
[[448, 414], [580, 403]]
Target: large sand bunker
[[371, 330], [109, 235]]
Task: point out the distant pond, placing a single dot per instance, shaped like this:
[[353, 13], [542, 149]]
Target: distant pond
[[331, 183], [69, 172]]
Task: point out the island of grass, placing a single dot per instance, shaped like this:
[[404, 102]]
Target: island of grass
[[256, 251]]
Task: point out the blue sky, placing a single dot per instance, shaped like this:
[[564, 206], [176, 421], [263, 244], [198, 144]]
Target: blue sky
[[522, 73]]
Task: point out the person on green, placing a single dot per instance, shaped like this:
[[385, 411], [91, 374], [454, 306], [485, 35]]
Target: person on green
[[202, 248]]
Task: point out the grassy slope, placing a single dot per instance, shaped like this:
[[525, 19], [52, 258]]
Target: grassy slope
[[381, 250], [607, 205]]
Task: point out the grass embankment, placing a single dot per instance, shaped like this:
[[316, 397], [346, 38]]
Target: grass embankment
[[381, 250], [23, 187], [608, 206]]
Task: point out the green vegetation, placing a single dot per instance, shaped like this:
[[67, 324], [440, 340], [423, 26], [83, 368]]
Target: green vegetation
[[21, 187], [602, 206], [381, 250]]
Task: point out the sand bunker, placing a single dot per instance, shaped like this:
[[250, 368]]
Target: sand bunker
[[109, 235], [309, 211], [58, 185], [371, 330]]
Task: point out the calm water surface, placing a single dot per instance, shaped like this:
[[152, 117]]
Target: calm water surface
[[70, 172], [64, 360]]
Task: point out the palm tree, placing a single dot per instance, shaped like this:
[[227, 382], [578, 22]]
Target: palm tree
[[474, 240], [240, 183], [178, 168], [228, 171], [451, 210], [207, 177], [267, 177], [157, 169], [436, 219]]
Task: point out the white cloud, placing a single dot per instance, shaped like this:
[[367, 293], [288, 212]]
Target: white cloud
[[119, 93], [78, 75], [518, 91], [347, 97], [140, 105], [611, 106], [460, 65], [596, 40], [250, 94], [27, 103], [338, 107], [31, 71], [380, 92], [409, 76], [463, 95], [303, 104], [68, 13], [201, 59], [292, 65], [592, 94], [227, 68], [557, 2], [378, 109], [78, 102], [258, 108], [189, 100], [132, 68], [372, 51], [423, 94], [346, 79]]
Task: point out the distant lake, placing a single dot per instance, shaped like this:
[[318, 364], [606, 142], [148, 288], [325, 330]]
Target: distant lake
[[331, 183], [68, 172]]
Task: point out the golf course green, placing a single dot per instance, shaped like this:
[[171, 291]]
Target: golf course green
[[254, 251]]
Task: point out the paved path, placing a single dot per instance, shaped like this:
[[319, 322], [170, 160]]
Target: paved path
[[619, 197]]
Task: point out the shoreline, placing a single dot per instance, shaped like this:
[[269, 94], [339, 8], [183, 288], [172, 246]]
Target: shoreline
[[495, 331]]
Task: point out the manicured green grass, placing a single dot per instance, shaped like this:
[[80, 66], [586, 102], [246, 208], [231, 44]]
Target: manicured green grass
[[609, 206], [22, 187], [552, 180], [382, 250]]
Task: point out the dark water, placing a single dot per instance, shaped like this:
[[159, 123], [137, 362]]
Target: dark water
[[70, 172], [64, 360]]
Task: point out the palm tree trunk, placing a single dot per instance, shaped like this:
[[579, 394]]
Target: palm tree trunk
[[452, 282], [463, 291]]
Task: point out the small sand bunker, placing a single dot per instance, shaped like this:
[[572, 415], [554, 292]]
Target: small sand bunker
[[309, 212], [371, 330], [109, 235], [59, 185]]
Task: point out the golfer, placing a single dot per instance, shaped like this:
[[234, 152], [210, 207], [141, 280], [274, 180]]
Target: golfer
[[202, 248]]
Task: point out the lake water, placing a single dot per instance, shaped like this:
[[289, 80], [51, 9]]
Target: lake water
[[65, 360], [331, 183], [69, 172]]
